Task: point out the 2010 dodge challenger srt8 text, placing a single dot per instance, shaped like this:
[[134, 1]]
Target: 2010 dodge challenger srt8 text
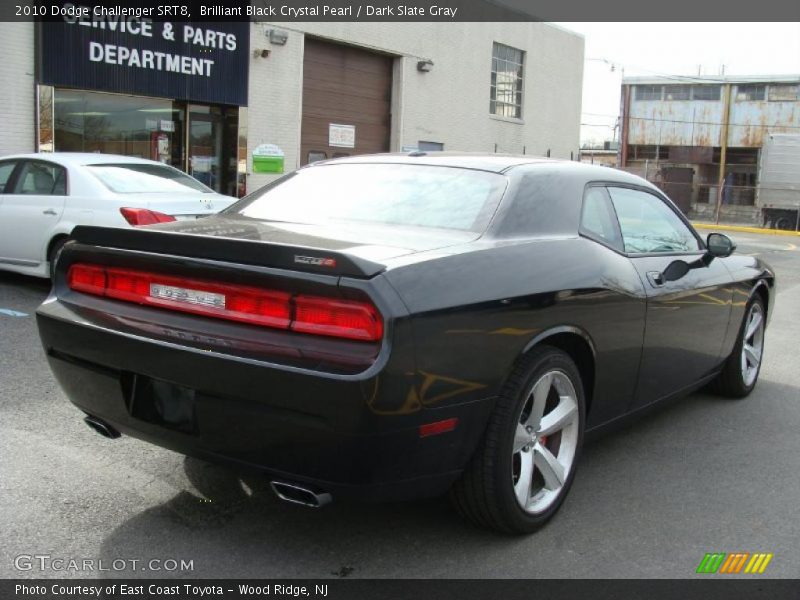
[[398, 326]]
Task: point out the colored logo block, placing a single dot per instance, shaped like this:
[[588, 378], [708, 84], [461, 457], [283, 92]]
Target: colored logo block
[[734, 563]]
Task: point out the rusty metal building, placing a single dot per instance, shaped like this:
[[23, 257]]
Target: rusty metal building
[[699, 138]]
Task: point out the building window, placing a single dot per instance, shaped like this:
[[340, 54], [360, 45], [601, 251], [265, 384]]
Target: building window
[[677, 92], [647, 152], [202, 140], [750, 93], [783, 93], [649, 92], [150, 128], [705, 92], [505, 97]]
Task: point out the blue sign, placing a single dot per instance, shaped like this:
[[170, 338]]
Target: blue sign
[[91, 47]]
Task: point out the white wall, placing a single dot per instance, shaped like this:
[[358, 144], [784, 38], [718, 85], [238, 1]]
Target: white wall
[[17, 107], [449, 104]]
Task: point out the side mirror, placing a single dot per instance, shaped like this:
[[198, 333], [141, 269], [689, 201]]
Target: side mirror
[[719, 245]]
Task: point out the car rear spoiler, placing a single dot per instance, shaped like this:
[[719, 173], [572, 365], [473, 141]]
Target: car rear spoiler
[[250, 252]]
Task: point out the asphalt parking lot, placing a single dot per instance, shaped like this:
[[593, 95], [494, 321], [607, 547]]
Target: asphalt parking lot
[[701, 475]]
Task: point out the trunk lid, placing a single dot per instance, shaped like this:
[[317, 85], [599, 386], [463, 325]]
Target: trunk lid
[[178, 205]]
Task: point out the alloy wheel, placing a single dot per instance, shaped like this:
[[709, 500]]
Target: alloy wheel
[[752, 344], [545, 442]]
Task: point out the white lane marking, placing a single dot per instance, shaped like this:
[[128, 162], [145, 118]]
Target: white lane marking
[[12, 313]]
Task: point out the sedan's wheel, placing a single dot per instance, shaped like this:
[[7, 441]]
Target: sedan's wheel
[[740, 373], [55, 248], [526, 462]]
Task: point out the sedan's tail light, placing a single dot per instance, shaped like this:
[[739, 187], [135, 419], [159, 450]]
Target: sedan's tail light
[[144, 216], [350, 319]]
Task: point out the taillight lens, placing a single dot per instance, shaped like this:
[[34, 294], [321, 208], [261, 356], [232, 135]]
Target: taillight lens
[[144, 216], [87, 278], [339, 318], [350, 319]]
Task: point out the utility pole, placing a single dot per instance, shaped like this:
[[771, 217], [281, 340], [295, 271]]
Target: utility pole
[[625, 102], [726, 117]]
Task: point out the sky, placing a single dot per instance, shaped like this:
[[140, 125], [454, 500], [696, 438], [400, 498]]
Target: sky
[[674, 49]]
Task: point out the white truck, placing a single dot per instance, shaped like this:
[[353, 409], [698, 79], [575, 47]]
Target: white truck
[[778, 189]]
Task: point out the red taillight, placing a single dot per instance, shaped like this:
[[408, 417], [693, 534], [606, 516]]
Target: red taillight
[[339, 318], [87, 278], [144, 216], [306, 314]]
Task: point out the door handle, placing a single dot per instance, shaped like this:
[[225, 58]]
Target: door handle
[[49, 211], [655, 278]]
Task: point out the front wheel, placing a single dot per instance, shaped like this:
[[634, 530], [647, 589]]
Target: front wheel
[[525, 464], [741, 370]]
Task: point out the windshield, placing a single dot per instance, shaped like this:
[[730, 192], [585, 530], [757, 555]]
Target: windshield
[[396, 194], [140, 178]]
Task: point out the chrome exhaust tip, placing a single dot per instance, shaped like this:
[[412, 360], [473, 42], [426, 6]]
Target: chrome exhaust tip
[[101, 427], [297, 494]]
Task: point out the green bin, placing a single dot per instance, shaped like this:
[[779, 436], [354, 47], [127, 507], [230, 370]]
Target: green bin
[[267, 158]]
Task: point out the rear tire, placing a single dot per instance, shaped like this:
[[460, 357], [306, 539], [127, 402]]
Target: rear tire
[[525, 464], [740, 372], [55, 248]]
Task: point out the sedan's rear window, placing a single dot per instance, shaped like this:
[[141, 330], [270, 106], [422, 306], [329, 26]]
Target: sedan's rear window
[[140, 178], [392, 194]]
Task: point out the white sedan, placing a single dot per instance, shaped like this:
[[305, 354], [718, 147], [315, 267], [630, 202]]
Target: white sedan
[[44, 196]]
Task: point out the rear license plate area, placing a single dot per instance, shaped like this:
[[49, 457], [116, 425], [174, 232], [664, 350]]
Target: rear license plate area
[[161, 403]]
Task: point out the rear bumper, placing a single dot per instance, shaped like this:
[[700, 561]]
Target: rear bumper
[[351, 435]]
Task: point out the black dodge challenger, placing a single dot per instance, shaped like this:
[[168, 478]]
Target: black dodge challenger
[[398, 326]]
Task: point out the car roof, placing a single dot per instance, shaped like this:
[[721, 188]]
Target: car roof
[[496, 163], [75, 159]]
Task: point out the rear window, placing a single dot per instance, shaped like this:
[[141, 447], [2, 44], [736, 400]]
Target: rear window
[[138, 178], [391, 194]]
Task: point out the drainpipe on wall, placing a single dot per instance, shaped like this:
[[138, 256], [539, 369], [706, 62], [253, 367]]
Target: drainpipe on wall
[[726, 116], [37, 131]]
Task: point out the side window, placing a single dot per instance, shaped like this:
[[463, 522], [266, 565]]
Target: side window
[[6, 169], [597, 217], [648, 224], [41, 179]]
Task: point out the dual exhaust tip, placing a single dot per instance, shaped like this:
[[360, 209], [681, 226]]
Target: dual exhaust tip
[[288, 492], [101, 427], [297, 494]]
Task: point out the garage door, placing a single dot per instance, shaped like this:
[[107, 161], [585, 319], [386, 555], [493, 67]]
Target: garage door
[[347, 95]]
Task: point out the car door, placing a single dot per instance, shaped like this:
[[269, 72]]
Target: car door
[[686, 319], [7, 178], [31, 210]]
